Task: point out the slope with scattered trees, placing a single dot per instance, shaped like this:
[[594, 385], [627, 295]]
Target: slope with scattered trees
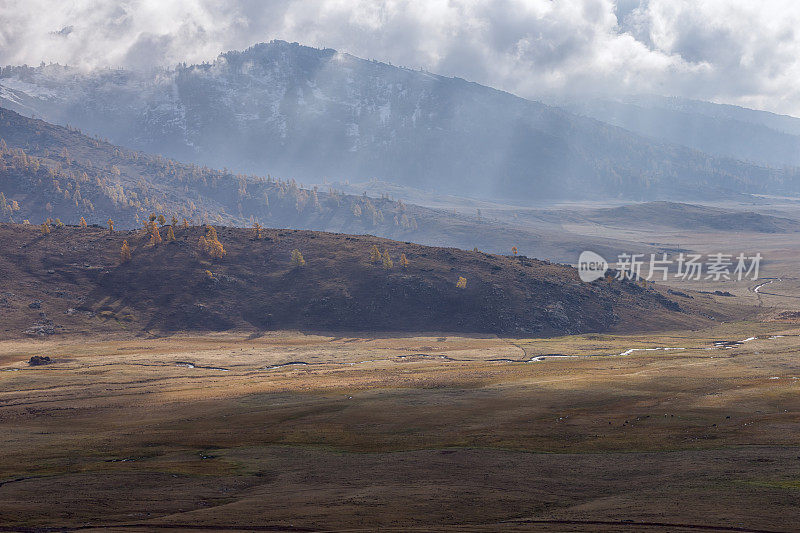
[[75, 279], [49, 171]]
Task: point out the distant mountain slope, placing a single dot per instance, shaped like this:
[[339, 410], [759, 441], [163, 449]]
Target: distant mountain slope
[[313, 114], [48, 171], [71, 280], [722, 130], [695, 217]]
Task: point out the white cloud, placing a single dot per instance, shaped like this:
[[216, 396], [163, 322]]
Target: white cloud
[[735, 51]]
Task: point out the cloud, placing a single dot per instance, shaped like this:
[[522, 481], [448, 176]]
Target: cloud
[[735, 51]]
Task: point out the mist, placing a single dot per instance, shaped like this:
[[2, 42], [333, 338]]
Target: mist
[[734, 52]]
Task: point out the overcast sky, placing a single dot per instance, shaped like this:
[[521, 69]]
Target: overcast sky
[[745, 52]]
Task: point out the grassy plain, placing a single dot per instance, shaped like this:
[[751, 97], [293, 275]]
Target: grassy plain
[[403, 432]]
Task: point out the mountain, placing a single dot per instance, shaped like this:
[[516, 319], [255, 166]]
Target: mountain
[[49, 171], [72, 280], [718, 129], [313, 114]]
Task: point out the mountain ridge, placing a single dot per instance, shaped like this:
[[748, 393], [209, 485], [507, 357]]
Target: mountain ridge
[[313, 114]]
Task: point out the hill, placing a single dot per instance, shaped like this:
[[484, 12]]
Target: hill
[[72, 280], [312, 114], [717, 129], [690, 216], [48, 171]]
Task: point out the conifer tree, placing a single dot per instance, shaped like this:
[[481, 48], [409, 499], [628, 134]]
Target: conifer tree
[[257, 231], [185, 224], [387, 260], [297, 258], [125, 252], [211, 245], [162, 220], [83, 222], [403, 261], [375, 255], [155, 236], [174, 221], [45, 228], [170, 235], [462, 282], [110, 226]]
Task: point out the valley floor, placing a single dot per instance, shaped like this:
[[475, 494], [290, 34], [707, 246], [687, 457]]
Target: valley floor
[[295, 432]]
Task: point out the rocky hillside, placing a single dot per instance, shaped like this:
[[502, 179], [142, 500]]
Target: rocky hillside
[[311, 114], [74, 280]]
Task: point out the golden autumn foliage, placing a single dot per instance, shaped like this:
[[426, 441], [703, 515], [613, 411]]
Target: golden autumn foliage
[[258, 233], [403, 261], [110, 225], [155, 236], [185, 224], [375, 255], [462, 282], [210, 244], [297, 258], [125, 252], [514, 250], [162, 220], [174, 221], [387, 260], [82, 223], [170, 235], [45, 228]]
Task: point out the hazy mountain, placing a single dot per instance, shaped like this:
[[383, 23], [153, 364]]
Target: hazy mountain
[[722, 130], [313, 114], [49, 171]]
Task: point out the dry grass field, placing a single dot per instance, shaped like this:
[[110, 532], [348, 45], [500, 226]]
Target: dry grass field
[[296, 432]]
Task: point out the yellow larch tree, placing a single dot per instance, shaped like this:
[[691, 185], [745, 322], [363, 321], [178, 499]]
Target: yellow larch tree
[[387, 260], [125, 252], [375, 255]]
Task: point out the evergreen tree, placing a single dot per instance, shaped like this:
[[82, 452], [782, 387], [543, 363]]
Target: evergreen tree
[[83, 222], [297, 258], [462, 282], [403, 261], [170, 235]]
